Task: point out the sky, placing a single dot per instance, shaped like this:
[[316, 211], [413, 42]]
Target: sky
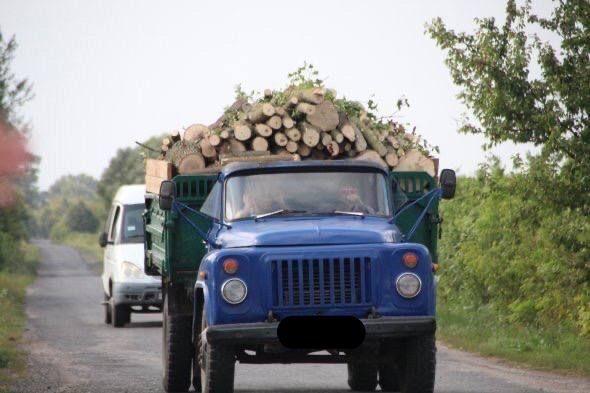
[[108, 73]]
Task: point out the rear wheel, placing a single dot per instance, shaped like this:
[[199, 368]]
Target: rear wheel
[[108, 316], [177, 350], [217, 365], [362, 371], [120, 314]]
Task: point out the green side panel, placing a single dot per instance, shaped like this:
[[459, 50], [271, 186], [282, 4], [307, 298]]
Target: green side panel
[[173, 246], [415, 185]]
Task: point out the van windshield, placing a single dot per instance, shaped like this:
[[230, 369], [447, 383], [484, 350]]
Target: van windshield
[[302, 193], [132, 226]]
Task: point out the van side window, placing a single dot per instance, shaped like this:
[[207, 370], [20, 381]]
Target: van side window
[[114, 230]]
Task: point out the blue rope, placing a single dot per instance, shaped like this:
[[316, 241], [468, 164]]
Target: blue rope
[[177, 207], [433, 195]]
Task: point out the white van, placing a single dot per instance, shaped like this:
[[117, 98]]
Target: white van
[[126, 287]]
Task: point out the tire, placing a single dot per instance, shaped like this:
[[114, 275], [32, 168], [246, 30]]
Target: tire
[[389, 366], [177, 350], [108, 315], [419, 365], [121, 315], [362, 372], [217, 365]]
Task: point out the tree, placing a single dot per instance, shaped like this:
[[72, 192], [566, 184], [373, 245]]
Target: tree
[[80, 218], [510, 103], [126, 167], [73, 186]]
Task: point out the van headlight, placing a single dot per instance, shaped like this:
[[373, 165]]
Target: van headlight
[[408, 285], [130, 270], [234, 291]]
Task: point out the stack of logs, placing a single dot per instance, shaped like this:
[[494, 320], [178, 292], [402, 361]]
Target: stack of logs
[[294, 124]]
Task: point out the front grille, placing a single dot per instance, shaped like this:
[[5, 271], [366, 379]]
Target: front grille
[[321, 281]]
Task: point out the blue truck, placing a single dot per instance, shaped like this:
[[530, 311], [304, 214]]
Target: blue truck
[[298, 262]]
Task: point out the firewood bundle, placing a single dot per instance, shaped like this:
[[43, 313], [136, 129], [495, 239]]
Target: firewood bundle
[[298, 123]]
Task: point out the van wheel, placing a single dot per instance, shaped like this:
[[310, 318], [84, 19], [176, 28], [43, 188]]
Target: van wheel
[[419, 365], [176, 351], [120, 314], [217, 365], [108, 316], [362, 372]]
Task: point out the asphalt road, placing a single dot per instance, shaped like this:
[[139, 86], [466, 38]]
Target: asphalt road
[[72, 350]]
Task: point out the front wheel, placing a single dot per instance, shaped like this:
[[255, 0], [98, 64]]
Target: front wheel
[[177, 350], [419, 365], [217, 364], [120, 314], [362, 371], [108, 316]]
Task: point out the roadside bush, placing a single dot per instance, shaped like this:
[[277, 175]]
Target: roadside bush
[[510, 246], [80, 218]]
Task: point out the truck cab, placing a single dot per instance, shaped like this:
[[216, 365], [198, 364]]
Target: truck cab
[[291, 262]]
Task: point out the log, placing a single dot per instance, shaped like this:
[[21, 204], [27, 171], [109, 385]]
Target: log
[[214, 140], [195, 132], [393, 141], [236, 146], [275, 122], [347, 147], [281, 139], [414, 160], [259, 144], [261, 112], [181, 149], [265, 158], [175, 136], [337, 136], [242, 131], [371, 155], [280, 111], [326, 138], [305, 108], [224, 148], [310, 135], [346, 127], [166, 142], [303, 150], [360, 143], [207, 150], [225, 133], [294, 134], [267, 93], [236, 106], [292, 147], [311, 96], [164, 148], [325, 116], [288, 122], [371, 136], [191, 163], [333, 149], [263, 130], [391, 159], [292, 102]]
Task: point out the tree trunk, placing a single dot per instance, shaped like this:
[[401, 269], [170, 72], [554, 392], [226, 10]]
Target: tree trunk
[[191, 163], [195, 132], [303, 150], [288, 122], [263, 130], [326, 138], [261, 112], [275, 122], [371, 155], [360, 143], [280, 139], [242, 131], [391, 159], [310, 136], [214, 140], [414, 160], [294, 134], [325, 117], [292, 147], [311, 96], [259, 144], [333, 149], [305, 108], [207, 150], [337, 136]]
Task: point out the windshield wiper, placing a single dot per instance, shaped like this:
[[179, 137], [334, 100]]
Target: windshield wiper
[[280, 211], [358, 214]]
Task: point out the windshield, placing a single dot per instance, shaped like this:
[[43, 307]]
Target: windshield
[[132, 228], [301, 193]]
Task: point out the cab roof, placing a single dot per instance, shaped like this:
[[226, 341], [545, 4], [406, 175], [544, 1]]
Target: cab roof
[[319, 165], [130, 194]]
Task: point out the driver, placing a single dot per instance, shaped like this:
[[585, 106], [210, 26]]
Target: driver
[[352, 200]]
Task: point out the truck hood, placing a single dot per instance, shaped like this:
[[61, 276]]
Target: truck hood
[[303, 231]]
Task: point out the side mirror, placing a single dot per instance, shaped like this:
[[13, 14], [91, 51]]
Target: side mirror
[[448, 183], [102, 240], [167, 194]]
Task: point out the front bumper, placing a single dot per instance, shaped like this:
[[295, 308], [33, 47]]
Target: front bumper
[[375, 329], [137, 294]]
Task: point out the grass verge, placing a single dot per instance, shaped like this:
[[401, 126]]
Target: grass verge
[[478, 330], [13, 284], [86, 244]]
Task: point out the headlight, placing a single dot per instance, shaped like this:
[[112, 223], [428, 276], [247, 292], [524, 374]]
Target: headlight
[[130, 270], [234, 291], [408, 285]]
